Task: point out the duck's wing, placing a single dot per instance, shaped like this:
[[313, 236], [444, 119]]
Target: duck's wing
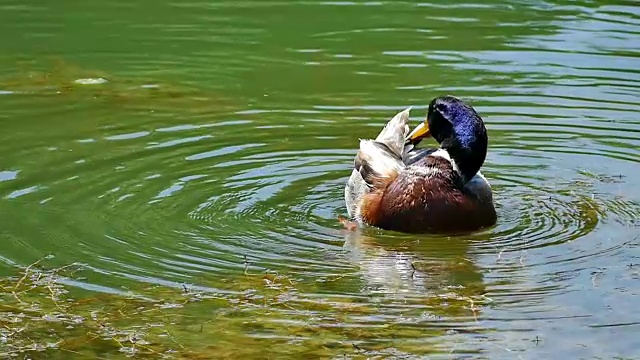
[[412, 154], [480, 187], [377, 160], [395, 132]]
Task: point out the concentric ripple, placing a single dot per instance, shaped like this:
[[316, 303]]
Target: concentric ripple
[[210, 148]]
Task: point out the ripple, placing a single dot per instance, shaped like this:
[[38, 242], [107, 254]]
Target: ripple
[[217, 152], [21, 192]]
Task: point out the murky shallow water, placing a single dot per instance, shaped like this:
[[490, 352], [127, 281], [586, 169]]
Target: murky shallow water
[[192, 143]]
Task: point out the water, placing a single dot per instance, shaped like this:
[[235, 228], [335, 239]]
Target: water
[[170, 143]]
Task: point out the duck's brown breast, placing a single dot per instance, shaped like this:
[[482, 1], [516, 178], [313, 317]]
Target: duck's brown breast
[[427, 199]]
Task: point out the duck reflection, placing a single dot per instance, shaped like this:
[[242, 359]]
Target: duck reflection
[[415, 268]]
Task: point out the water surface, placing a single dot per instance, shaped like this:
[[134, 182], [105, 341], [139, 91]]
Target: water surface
[[165, 143]]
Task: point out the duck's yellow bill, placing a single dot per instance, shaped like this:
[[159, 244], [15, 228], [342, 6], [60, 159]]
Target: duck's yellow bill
[[420, 132]]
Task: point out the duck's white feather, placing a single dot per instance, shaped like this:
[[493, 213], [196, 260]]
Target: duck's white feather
[[377, 158]]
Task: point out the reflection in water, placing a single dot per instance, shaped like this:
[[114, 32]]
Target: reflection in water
[[223, 134], [402, 271]]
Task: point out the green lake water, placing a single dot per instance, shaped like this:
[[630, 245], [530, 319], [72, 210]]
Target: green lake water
[[188, 159]]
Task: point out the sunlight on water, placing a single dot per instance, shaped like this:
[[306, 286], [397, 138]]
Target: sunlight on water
[[173, 149]]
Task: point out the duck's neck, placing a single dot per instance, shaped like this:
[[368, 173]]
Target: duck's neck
[[467, 158]]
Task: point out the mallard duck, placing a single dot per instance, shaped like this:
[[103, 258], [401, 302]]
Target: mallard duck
[[396, 186]]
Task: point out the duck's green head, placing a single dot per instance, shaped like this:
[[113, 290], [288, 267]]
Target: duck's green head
[[459, 130]]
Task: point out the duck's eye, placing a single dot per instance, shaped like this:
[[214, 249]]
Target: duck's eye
[[442, 108]]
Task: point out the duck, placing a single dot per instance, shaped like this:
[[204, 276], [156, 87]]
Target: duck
[[396, 185]]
